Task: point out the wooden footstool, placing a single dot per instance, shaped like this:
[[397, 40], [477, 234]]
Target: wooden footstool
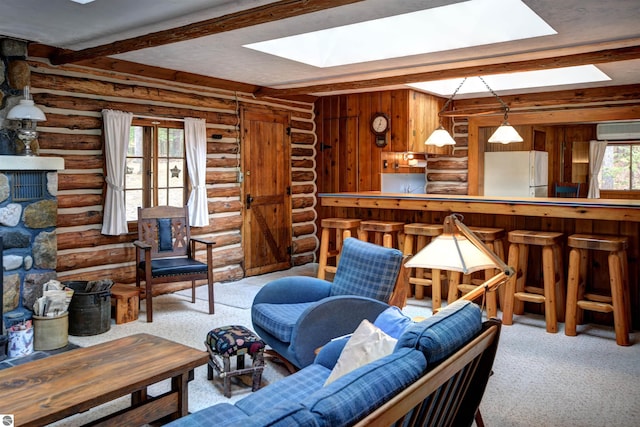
[[228, 341], [126, 302]]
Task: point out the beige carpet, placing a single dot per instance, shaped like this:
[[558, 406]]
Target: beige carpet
[[539, 379]]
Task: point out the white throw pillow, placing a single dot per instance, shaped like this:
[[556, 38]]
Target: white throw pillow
[[368, 343]]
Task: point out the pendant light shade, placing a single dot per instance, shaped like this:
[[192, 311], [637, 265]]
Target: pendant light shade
[[440, 137], [505, 134]]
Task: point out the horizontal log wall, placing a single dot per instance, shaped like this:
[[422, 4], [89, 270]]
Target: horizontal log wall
[[73, 97]]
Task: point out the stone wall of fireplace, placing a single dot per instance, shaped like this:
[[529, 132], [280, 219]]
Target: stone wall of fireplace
[[28, 214]]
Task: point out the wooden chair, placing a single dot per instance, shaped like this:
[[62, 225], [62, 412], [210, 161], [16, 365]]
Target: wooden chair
[[165, 252], [567, 189]]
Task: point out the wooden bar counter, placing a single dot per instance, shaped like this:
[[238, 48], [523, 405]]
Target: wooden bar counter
[[595, 216]]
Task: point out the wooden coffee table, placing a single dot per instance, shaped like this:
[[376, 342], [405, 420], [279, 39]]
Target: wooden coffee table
[[68, 383]]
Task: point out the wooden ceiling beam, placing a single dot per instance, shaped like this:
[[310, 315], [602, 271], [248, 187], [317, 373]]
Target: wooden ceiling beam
[[500, 66], [244, 18]]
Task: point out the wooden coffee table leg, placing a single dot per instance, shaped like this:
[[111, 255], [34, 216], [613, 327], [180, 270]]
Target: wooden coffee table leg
[[180, 384]]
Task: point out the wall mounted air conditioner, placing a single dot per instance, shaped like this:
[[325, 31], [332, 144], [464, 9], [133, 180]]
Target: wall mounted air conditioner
[[616, 131]]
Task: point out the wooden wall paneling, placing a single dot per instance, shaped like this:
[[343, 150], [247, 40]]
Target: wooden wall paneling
[[368, 104], [73, 98]]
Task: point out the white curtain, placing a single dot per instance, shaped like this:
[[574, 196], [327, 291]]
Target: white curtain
[[116, 140], [596, 156], [195, 135]]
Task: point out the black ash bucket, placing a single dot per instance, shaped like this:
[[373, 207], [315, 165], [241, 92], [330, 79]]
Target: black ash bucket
[[89, 312]]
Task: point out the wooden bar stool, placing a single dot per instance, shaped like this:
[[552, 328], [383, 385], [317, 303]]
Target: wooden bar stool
[[416, 237], [385, 233], [343, 228], [492, 237], [619, 300], [517, 291]]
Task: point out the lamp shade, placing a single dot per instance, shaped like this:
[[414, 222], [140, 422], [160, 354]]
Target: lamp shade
[[505, 134], [440, 137], [451, 252], [26, 110]]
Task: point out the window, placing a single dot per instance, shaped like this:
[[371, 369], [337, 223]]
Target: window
[[621, 167], [156, 167]]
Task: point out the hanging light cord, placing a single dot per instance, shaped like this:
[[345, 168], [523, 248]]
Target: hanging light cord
[[446, 104], [506, 108]]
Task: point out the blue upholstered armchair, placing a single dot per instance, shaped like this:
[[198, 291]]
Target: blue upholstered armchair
[[297, 315]]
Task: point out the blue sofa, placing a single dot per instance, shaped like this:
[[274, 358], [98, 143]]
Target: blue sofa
[[419, 368]]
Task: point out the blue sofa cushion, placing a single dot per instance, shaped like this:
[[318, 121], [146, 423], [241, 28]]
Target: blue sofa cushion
[[290, 414], [293, 388], [393, 321], [443, 333], [351, 397], [279, 319], [366, 270], [222, 414]]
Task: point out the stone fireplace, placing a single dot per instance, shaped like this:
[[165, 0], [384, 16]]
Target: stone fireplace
[[28, 214]]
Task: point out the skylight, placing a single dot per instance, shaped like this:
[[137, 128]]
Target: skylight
[[522, 80], [466, 24]]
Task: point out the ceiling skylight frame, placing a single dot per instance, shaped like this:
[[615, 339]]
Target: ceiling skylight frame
[[455, 26]]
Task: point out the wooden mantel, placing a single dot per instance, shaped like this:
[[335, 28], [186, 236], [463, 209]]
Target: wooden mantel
[[594, 209]]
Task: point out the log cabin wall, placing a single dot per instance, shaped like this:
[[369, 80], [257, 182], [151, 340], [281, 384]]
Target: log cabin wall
[[73, 98]]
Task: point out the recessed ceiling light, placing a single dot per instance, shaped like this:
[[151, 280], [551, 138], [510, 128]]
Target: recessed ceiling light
[[456, 26], [82, 1], [522, 80]]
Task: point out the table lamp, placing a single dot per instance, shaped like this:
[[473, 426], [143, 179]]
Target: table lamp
[[459, 249]]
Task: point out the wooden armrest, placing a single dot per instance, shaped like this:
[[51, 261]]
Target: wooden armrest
[[142, 245], [203, 241]]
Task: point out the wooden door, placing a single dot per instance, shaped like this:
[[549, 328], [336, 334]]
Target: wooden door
[[267, 191]]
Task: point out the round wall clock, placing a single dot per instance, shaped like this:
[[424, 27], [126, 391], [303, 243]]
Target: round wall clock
[[380, 125]]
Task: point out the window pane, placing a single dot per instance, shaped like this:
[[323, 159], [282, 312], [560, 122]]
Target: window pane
[[635, 167], [176, 197], [135, 142], [163, 181], [132, 200], [176, 170], [616, 168], [133, 174], [176, 144], [162, 142], [162, 197]]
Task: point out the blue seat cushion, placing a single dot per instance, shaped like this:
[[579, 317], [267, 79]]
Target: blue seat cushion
[[175, 266], [353, 396], [445, 332], [366, 270], [293, 388], [222, 414], [279, 319]]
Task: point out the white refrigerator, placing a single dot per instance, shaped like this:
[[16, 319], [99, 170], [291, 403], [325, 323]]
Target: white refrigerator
[[516, 173]]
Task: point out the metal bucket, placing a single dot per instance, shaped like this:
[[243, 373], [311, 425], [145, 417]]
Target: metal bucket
[[50, 333], [89, 312]]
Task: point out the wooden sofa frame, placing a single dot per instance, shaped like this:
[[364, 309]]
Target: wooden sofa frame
[[448, 394]]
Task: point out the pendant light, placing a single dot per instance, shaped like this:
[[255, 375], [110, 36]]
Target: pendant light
[[505, 134], [440, 137]]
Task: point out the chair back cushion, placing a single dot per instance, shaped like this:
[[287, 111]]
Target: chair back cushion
[[366, 270], [443, 333]]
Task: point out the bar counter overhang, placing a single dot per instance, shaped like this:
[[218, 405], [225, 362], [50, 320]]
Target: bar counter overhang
[[595, 209]]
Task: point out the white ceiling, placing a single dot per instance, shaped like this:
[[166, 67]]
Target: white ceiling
[[582, 26]]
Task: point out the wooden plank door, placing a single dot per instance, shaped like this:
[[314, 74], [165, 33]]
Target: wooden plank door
[[267, 191]]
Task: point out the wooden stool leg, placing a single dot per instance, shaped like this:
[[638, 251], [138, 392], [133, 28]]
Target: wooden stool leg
[[618, 300], [436, 290], [387, 240], [492, 300], [573, 283], [523, 263], [226, 380], [324, 252], [363, 235], [510, 285], [625, 282], [548, 272], [258, 362], [560, 290], [499, 250]]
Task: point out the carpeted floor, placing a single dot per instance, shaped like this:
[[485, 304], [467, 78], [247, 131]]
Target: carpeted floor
[[539, 379]]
